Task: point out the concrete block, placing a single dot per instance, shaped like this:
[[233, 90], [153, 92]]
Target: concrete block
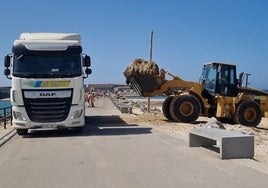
[[232, 144], [237, 147], [126, 109]]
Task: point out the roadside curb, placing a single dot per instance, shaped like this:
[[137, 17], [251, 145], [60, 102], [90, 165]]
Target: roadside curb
[[7, 137]]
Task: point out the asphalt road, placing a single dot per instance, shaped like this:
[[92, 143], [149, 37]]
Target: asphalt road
[[110, 153]]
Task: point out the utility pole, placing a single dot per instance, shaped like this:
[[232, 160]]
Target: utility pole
[[150, 59], [151, 46]]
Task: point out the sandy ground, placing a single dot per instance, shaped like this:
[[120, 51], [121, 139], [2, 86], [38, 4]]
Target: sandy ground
[[157, 119]]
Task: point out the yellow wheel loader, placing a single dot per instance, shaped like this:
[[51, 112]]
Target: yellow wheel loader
[[219, 94]]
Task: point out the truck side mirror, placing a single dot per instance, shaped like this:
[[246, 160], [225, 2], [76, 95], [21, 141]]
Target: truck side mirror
[[7, 61], [7, 72], [87, 61], [7, 65], [87, 71]]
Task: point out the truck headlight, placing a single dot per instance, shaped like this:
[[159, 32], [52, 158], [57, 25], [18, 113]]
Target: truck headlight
[[77, 114], [19, 116]]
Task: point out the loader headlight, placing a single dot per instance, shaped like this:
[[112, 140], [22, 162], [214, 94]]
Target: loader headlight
[[77, 114], [19, 116]]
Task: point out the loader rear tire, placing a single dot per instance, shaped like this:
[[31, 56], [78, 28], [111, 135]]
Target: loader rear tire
[[165, 107], [248, 113], [185, 108]]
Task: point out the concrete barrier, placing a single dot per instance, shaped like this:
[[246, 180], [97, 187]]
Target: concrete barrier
[[232, 144], [124, 108]]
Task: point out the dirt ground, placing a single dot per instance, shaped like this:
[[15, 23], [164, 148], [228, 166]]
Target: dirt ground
[[157, 119]]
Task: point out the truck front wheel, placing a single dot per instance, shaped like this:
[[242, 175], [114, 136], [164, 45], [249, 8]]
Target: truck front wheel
[[79, 129], [185, 108], [22, 131], [165, 107]]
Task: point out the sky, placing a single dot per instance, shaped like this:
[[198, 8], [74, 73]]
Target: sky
[[187, 33]]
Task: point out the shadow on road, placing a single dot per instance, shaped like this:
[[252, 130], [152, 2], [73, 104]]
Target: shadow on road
[[195, 122], [95, 126]]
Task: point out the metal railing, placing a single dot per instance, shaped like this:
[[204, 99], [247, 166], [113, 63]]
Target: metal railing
[[5, 115]]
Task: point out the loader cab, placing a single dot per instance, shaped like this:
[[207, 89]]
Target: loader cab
[[219, 79]]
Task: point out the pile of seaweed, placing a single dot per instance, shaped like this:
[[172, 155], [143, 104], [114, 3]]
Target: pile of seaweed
[[144, 76]]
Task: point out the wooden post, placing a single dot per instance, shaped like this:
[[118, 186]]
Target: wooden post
[[151, 46], [150, 58]]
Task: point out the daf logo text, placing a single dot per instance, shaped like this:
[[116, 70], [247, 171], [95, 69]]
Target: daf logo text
[[47, 94]]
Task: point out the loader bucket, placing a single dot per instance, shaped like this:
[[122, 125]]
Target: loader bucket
[[144, 84]]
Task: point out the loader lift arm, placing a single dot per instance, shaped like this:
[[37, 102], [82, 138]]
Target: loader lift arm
[[148, 85]]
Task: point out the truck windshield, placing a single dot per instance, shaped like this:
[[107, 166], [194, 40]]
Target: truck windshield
[[37, 66], [209, 77]]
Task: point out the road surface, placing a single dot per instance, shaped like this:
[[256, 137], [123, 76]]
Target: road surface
[[110, 153]]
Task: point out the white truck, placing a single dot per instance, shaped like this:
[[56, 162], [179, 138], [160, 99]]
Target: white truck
[[47, 72]]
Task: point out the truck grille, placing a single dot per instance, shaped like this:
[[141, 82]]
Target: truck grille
[[46, 110]]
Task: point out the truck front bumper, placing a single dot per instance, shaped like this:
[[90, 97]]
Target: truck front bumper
[[76, 118]]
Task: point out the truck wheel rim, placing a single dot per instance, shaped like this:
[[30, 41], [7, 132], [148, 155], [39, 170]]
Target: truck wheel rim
[[186, 109], [250, 115]]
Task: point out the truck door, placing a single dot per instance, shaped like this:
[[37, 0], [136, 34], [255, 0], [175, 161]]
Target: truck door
[[226, 81]]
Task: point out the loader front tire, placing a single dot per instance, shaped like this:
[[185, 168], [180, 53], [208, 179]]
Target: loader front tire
[[165, 107], [185, 108], [248, 113], [22, 132]]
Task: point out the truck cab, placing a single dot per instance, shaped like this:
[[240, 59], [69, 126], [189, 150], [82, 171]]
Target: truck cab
[[47, 72], [219, 79]]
